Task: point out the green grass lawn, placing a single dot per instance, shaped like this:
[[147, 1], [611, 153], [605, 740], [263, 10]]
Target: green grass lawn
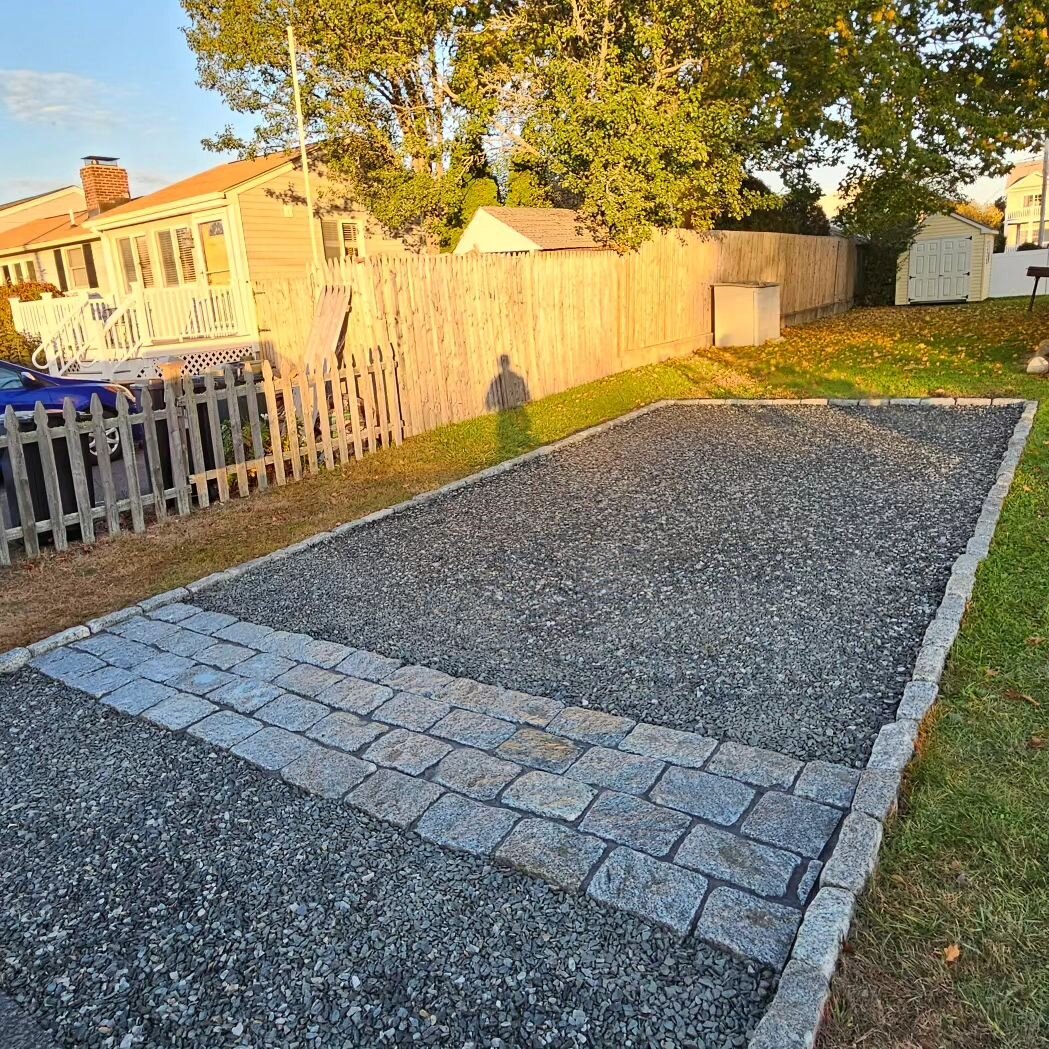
[[966, 865]]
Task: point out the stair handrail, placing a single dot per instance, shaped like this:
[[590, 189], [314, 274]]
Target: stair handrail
[[68, 342]]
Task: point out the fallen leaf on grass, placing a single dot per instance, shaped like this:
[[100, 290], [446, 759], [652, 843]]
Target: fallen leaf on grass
[[1036, 640], [1020, 697], [991, 672], [952, 953], [1036, 743]]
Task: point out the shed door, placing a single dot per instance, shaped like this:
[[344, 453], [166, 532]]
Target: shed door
[[940, 269]]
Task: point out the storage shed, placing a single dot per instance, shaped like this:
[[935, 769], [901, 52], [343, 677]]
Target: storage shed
[[949, 261]]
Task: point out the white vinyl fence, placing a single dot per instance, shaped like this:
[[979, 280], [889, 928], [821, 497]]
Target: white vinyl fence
[[1009, 273]]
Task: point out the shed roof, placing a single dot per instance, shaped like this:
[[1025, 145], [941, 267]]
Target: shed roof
[[550, 229]]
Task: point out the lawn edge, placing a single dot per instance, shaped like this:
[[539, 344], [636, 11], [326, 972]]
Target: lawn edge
[[793, 1017]]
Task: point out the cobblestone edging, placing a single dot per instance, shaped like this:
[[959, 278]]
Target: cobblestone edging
[[795, 1013], [649, 836], [716, 838]]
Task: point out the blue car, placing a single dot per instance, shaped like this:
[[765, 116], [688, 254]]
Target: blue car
[[23, 388]]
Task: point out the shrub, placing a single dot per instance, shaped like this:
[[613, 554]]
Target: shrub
[[14, 346], [1027, 246]]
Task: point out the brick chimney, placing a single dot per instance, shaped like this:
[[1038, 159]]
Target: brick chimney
[[105, 184]]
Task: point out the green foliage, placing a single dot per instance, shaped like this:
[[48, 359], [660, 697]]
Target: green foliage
[[642, 113], [796, 211], [14, 346]]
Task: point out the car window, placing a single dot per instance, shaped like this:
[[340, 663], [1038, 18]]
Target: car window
[[10, 378]]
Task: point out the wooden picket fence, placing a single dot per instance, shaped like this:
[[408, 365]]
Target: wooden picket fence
[[481, 333], [214, 438]]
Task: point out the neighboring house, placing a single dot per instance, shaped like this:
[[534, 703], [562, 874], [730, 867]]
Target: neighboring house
[[41, 206], [58, 246], [176, 267], [948, 261], [1023, 204], [526, 229]]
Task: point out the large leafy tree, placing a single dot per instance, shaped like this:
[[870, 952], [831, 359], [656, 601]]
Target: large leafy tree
[[641, 113]]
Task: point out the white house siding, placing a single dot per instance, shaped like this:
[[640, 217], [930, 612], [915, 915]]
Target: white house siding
[[58, 203], [939, 227]]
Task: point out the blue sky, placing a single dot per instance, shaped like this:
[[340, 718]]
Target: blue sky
[[115, 77], [111, 77]]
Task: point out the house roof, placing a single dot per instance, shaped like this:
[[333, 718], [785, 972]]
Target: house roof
[[550, 229], [1029, 167], [35, 196], [214, 181], [38, 233]]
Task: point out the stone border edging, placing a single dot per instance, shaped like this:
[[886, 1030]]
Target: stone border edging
[[792, 1019]]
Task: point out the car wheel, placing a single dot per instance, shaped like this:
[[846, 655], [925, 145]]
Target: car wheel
[[113, 442]]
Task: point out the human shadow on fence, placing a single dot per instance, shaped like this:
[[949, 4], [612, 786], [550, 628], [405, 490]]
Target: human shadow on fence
[[507, 396]]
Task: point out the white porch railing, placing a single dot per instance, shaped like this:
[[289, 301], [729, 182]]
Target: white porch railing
[[74, 329]]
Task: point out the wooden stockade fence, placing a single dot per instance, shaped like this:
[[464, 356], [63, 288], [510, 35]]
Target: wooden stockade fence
[[478, 333], [213, 438]]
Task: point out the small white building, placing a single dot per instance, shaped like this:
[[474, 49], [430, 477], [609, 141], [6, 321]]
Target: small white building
[[948, 261], [495, 229]]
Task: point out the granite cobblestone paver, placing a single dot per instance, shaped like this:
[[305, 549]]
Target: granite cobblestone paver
[[460, 823], [541, 750], [475, 773], [292, 712], [546, 794], [409, 752], [659, 892], [546, 850], [392, 796], [408, 710], [346, 731], [329, 773], [714, 798], [630, 773], [473, 729], [591, 726], [655, 821], [631, 821], [224, 655]]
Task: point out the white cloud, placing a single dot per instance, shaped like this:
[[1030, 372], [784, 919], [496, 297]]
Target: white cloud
[[60, 99]]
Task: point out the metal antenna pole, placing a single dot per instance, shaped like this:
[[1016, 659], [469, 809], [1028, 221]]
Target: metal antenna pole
[[1045, 186], [318, 259]]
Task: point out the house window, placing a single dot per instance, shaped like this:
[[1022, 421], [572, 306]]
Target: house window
[[184, 239], [127, 262], [168, 261], [145, 263], [1032, 199], [343, 238], [76, 267], [7, 275], [30, 268]]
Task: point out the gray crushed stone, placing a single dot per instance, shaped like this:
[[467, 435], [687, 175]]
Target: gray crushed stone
[[762, 574], [159, 893]]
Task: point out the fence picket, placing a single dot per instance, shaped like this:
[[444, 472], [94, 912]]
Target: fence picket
[[236, 427], [20, 477], [353, 406], [105, 466], [176, 447], [134, 490], [291, 422], [305, 402], [46, 451], [320, 385], [197, 465], [331, 368], [217, 446], [258, 450], [154, 471], [276, 442], [78, 468]]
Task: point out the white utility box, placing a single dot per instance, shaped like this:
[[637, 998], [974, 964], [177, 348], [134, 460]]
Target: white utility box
[[745, 314]]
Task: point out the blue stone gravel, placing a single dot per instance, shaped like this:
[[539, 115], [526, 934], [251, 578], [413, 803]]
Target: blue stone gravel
[[755, 573], [159, 892]]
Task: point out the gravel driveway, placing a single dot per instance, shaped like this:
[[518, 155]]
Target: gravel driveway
[[159, 893], [761, 574]]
